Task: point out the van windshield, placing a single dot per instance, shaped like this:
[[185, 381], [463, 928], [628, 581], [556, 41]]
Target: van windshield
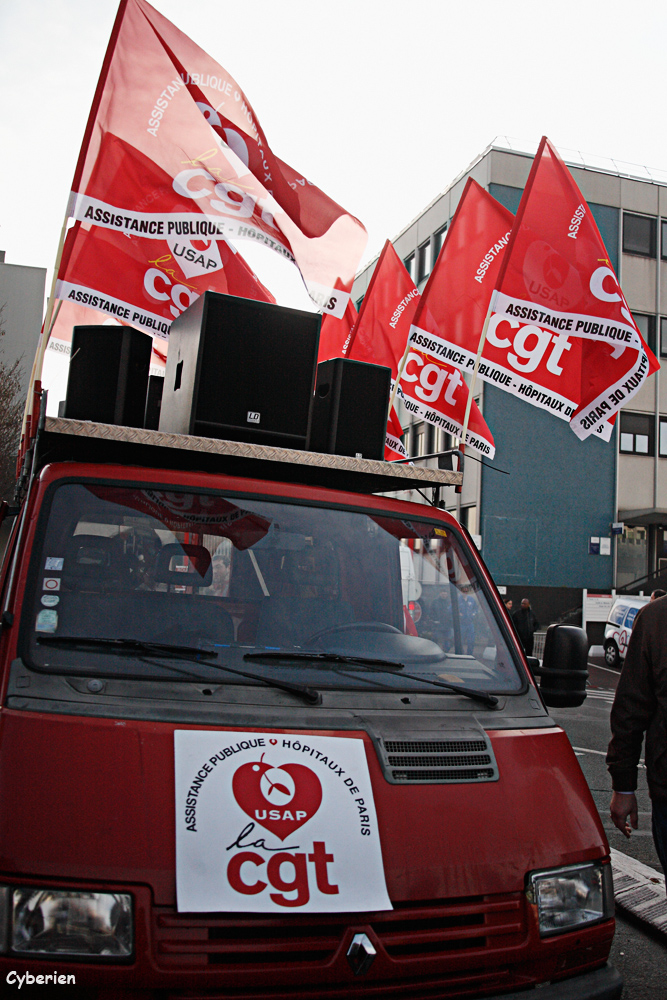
[[221, 579]]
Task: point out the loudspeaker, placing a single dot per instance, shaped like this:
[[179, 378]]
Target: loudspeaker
[[350, 409], [153, 402], [108, 375], [241, 370]]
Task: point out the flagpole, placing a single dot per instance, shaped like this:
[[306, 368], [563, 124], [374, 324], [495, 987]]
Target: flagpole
[[49, 320], [482, 341]]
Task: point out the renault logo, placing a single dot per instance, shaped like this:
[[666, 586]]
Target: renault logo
[[360, 954]]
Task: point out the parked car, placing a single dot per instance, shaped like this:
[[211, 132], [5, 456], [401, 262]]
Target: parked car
[[619, 626]]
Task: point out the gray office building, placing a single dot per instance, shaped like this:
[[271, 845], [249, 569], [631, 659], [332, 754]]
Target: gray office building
[[21, 311]]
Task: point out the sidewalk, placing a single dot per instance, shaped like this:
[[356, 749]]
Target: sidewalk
[[639, 890]]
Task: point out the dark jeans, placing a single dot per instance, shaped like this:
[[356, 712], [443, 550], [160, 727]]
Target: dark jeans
[[659, 824], [527, 641]]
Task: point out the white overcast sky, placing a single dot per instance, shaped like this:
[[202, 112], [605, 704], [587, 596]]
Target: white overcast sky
[[379, 102]]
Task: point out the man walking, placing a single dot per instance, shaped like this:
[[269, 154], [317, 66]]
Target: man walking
[[640, 707], [526, 625]]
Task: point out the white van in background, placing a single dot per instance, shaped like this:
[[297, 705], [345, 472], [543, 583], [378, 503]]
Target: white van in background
[[619, 627]]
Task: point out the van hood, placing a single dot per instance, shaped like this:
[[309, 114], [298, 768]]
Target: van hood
[[94, 800]]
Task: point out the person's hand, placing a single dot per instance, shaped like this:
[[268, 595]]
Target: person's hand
[[623, 810]]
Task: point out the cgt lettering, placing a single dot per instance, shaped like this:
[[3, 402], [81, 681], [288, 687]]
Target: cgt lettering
[[287, 873], [159, 287], [530, 344], [222, 197], [432, 379]]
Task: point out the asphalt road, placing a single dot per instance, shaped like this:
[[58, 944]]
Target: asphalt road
[[639, 954]]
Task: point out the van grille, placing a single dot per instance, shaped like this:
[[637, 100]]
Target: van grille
[[300, 945], [438, 761]]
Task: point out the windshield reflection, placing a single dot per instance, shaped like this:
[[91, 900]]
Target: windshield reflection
[[236, 577]]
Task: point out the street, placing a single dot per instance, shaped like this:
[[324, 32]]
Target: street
[[639, 953]]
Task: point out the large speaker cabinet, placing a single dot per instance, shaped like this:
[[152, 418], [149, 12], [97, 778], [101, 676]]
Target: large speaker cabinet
[[242, 370], [108, 375], [350, 409]]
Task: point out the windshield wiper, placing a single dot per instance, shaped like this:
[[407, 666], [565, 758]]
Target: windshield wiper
[[173, 651], [128, 646], [379, 666], [280, 654], [309, 694]]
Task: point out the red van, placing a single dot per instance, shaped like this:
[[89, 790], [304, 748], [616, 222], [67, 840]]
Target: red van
[[267, 734]]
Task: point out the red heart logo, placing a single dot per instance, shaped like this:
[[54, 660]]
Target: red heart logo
[[273, 742], [281, 799]]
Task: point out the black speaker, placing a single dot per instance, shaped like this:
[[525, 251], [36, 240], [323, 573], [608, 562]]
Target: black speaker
[[241, 370], [350, 409], [153, 402], [108, 375]]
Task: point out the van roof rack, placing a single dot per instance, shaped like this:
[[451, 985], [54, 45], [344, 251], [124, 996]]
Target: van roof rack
[[63, 439]]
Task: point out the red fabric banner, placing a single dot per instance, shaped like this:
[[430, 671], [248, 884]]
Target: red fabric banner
[[431, 388], [199, 513], [560, 334], [148, 283], [561, 331], [394, 449], [335, 333], [175, 108], [381, 331], [450, 317]]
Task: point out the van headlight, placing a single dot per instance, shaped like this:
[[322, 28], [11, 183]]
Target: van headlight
[[63, 922], [571, 897]]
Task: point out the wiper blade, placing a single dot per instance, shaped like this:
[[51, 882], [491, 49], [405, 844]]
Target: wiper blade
[[173, 651], [280, 654], [309, 694], [379, 666], [127, 645]]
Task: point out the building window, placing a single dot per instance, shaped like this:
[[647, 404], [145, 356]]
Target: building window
[[662, 443], [663, 337], [410, 265], [443, 440], [423, 261], [418, 440], [438, 240], [639, 235], [663, 240], [646, 326], [469, 519], [637, 431]]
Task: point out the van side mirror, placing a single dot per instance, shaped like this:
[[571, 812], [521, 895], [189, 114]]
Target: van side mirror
[[564, 672]]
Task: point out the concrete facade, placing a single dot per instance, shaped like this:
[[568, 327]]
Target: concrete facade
[[21, 312]]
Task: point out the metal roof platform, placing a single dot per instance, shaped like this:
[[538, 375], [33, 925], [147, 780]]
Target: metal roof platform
[[62, 439]]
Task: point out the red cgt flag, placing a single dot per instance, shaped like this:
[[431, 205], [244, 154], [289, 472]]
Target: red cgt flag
[[335, 333], [148, 283], [430, 386], [394, 449], [560, 333], [450, 317], [174, 107]]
